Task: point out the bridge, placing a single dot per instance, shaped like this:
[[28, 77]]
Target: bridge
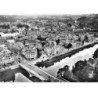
[[34, 70]]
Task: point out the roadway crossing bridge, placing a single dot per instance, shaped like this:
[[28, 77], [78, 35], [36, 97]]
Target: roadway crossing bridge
[[34, 70]]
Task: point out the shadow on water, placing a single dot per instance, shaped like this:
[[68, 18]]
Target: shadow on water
[[26, 74]]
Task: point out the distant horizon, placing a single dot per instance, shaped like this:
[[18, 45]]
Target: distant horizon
[[46, 15], [28, 15]]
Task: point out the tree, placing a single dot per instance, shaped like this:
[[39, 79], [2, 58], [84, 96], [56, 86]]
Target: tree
[[95, 55], [8, 75], [22, 25], [15, 47], [83, 71], [68, 46], [79, 66], [66, 74], [94, 23], [5, 26], [82, 22], [86, 38]]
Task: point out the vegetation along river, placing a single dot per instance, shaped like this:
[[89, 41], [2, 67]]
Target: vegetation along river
[[70, 60]]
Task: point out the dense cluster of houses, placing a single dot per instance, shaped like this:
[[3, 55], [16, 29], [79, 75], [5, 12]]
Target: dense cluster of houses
[[51, 36], [5, 55]]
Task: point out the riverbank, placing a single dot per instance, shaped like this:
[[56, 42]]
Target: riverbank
[[70, 60], [49, 62]]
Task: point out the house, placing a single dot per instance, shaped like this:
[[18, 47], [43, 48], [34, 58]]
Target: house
[[5, 56], [29, 53], [3, 35]]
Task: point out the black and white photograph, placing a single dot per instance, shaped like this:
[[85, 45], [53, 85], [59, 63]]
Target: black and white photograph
[[55, 48], [49, 48]]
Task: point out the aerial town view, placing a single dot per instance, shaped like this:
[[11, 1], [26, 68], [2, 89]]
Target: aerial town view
[[49, 48]]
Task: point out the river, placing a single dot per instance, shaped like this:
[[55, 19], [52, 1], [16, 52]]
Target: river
[[81, 55]]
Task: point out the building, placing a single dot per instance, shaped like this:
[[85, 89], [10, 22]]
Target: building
[[3, 35], [29, 53], [5, 56]]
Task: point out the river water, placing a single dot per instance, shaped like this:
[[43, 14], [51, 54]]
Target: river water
[[19, 77], [70, 61]]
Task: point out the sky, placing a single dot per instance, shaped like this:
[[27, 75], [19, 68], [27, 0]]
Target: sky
[[48, 7]]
